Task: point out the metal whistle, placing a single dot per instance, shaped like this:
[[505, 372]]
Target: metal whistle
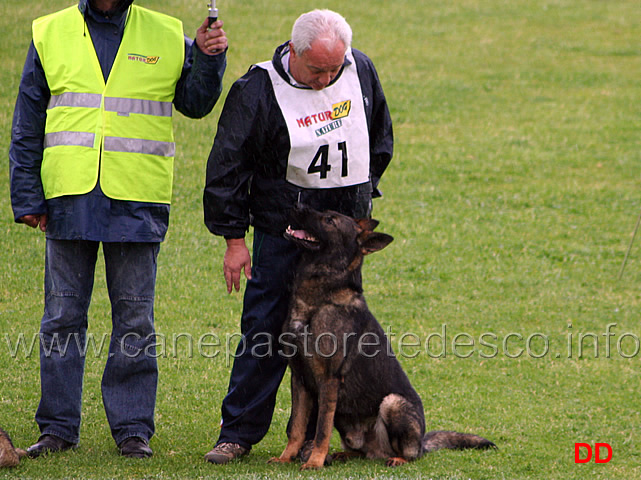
[[213, 13]]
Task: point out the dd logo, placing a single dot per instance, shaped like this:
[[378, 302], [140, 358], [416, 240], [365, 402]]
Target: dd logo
[[588, 454]]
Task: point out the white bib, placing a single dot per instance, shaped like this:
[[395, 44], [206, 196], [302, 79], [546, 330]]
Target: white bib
[[327, 130]]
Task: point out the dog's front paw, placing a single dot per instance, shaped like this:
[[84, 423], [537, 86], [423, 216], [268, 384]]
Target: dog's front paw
[[342, 457], [278, 460], [395, 461], [316, 460], [312, 466]]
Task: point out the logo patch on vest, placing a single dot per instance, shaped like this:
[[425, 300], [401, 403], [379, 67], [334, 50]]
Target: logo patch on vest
[[329, 128], [315, 118], [150, 60], [339, 110]]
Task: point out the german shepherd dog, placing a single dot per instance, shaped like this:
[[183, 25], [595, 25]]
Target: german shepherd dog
[[9, 455], [340, 359]]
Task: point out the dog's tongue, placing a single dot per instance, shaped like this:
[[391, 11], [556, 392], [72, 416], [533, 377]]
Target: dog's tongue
[[300, 234]]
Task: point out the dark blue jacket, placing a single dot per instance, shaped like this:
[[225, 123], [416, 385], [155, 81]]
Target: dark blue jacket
[[94, 216]]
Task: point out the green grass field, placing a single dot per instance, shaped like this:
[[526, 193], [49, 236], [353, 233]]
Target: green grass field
[[512, 197]]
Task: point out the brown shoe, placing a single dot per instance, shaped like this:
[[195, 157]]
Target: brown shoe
[[225, 452], [49, 444], [135, 447]]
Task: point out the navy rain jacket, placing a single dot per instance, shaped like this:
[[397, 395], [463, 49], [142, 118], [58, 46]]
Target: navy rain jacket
[[247, 165], [94, 216]]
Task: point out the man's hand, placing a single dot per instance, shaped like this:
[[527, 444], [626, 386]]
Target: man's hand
[[211, 40], [35, 220], [237, 258]]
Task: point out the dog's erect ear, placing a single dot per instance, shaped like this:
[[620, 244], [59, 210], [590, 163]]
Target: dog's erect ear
[[373, 242], [367, 224]]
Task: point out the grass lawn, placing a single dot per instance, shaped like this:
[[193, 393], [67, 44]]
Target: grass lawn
[[512, 198]]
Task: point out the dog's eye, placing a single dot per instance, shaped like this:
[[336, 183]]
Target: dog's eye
[[329, 220]]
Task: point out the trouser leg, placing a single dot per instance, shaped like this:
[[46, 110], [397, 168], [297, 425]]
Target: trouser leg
[[69, 276], [130, 379], [258, 369]]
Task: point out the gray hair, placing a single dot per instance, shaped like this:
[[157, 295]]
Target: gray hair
[[317, 24]]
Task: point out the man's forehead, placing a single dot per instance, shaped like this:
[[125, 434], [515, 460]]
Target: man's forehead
[[325, 54]]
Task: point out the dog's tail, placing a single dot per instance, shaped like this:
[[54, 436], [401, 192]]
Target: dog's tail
[[454, 440]]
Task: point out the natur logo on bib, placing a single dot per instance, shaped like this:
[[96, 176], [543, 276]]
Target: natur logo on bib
[[339, 110]]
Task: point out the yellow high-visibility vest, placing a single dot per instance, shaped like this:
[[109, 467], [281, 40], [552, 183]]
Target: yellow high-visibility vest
[[119, 133]]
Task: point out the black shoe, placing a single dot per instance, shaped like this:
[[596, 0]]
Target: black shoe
[[135, 447], [49, 444]]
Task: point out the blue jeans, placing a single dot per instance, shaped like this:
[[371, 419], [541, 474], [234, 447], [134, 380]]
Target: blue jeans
[[258, 371], [130, 376]]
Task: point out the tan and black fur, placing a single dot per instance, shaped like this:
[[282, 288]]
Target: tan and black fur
[[358, 387], [9, 455]]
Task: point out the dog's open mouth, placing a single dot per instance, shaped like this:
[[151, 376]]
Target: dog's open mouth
[[302, 237]]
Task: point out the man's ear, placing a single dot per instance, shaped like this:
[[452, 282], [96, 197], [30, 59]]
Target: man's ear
[[373, 242]]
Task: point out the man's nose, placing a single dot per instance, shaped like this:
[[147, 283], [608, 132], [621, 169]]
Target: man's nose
[[325, 78]]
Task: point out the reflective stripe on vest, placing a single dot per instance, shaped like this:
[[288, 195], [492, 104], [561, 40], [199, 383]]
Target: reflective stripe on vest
[[79, 139], [125, 106], [133, 145], [70, 99], [111, 144], [119, 133]]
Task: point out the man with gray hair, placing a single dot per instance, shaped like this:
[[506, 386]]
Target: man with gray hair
[[310, 126]]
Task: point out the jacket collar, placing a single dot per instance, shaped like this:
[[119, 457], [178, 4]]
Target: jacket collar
[[83, 5]]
